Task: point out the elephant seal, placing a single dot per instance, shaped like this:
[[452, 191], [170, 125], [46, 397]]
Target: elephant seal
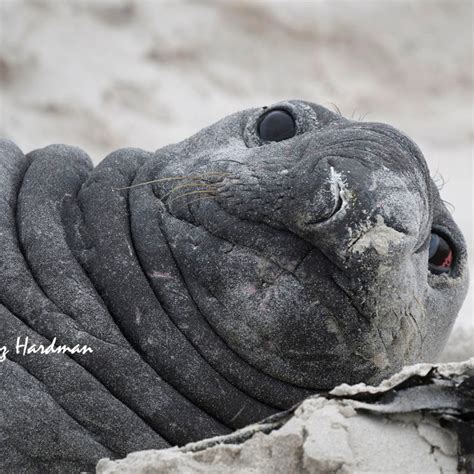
[[182, 294]]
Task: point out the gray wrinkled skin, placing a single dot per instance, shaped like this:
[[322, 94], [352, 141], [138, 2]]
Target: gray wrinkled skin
[[245, 277]]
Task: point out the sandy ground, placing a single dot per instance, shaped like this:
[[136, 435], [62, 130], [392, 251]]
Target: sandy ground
[[110, 74]]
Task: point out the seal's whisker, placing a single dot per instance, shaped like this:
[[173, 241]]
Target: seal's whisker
[[173, 178], [202, 191], [336, 108], [188, 185], [438, 180], [450, 206]]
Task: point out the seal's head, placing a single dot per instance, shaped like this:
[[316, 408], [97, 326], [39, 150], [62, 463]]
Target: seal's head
[[317, 247]]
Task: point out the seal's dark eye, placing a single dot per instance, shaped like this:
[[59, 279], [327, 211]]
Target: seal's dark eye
[[276, 125], [440, 255]]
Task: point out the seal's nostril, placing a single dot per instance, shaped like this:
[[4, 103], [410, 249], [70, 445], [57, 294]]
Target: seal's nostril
[[338, 206], [337, 188]]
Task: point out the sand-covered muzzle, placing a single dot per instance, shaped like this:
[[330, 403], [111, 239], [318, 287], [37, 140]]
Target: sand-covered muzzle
[[217, 281]]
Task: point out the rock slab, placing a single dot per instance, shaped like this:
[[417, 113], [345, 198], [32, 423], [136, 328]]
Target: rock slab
[[419, 420]]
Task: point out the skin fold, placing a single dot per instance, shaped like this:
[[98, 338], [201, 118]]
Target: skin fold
[[218, 281]]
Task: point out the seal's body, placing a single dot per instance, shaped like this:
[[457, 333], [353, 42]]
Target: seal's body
[[279, 252]]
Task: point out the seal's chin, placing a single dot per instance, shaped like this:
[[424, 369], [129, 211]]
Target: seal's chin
[[303, 327]]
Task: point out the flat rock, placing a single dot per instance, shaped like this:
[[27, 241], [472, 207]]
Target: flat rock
[[417, 421]]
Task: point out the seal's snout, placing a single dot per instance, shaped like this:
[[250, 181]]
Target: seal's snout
[[362, 188], [330, 185]]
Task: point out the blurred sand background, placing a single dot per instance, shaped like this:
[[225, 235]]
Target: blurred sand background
[[108, 74]]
